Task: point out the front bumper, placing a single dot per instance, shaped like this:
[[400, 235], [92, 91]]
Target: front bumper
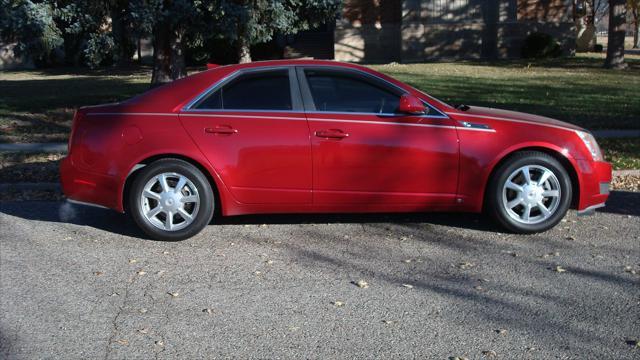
[[595, 180], [88, 187]]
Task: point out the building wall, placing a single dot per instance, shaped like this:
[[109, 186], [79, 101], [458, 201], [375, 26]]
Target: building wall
[[379, 31]]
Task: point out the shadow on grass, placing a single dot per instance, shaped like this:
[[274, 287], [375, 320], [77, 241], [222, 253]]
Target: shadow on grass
[[45, 95]]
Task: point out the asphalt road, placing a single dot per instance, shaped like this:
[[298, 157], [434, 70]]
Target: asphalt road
[[78, 282]]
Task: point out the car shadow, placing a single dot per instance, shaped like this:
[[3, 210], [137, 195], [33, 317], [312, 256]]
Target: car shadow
[[620, 202], [460, 220], [623, 203]]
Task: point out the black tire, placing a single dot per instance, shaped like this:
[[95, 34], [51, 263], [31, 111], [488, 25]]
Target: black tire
[[197, 178], [494, 196]]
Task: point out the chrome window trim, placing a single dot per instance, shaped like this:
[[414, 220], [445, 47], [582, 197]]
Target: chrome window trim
[[379, 114], [383, 123], [189, 106]]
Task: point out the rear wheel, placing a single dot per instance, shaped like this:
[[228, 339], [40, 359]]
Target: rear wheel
[[171, 200], [530, 192]]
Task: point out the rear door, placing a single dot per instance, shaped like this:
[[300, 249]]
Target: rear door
[[252, 129], [364, 152]]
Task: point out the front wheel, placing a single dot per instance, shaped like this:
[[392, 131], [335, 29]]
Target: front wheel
[[529, 193], [171, 200]]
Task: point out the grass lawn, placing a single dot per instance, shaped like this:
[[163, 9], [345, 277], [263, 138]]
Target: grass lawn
[[38, 105], [576, 90]]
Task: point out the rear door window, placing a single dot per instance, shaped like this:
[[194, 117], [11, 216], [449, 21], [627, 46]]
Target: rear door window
[[262, 90]]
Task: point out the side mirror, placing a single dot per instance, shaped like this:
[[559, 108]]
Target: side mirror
[[410, 104]]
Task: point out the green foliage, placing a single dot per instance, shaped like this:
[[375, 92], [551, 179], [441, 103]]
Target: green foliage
[[99, 50], [540, 45], [31, 26], [259, 20]]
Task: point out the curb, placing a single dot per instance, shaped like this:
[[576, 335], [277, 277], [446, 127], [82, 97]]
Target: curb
[[34, 147], [626, 173]]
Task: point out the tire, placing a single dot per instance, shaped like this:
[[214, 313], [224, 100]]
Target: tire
[[191, 208], [554, 194]]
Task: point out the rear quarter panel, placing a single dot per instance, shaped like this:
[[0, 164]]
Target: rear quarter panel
[[112, 144]]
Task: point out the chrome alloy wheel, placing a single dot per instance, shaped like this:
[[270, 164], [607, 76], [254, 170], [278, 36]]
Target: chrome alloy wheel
[[169, 201], [531, 194]]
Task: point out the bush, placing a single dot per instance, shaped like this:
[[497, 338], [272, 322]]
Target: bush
[[99, 50], [598, 48], [540, 45]]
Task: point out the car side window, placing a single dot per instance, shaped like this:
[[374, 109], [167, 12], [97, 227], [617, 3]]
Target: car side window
[[339, 91], [262, 90]]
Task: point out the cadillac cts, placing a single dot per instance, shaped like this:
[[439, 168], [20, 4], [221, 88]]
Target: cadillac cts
[[321, 136]]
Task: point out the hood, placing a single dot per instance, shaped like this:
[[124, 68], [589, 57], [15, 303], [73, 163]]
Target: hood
[[478, 111]]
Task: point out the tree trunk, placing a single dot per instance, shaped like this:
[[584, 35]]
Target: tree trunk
[[139, 50], [161, 55], [615, 47], [244, 49], [178, 65], [636, 35], [124, 45], [586, 39]]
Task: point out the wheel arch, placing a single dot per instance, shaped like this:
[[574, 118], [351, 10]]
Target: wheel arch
[[566, 161], [135, 171]]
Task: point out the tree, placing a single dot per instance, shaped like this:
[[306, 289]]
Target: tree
[[173, 20], [634, 9], [617, 22], [83, 24], [30, 25], [250, 22]]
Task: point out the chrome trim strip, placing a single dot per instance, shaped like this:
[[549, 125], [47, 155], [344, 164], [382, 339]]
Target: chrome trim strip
[[511, 120], [381, 123], [133, 113], [489, 130], [247, 116], [590, 210], [378, 114], [77, 202]]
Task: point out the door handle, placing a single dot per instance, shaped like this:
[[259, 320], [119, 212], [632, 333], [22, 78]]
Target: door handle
[[221, 130], [331, 134]]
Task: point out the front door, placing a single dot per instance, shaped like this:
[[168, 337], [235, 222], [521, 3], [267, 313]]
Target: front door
[[253, 131], [366, 153]]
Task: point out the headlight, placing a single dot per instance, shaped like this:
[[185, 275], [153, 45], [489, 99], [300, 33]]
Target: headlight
[[591, 144]]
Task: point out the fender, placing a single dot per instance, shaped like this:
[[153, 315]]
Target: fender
[[476, 204], [223, 192]]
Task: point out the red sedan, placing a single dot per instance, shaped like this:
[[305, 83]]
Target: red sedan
[[322, 136]]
